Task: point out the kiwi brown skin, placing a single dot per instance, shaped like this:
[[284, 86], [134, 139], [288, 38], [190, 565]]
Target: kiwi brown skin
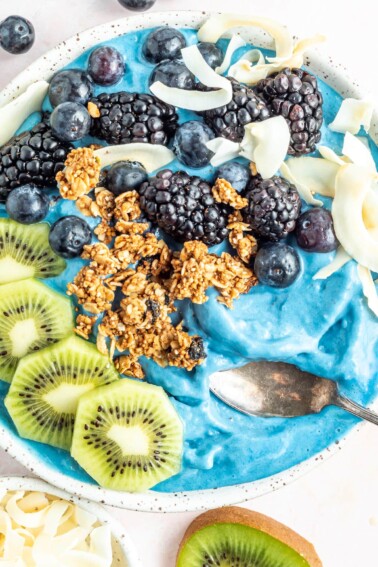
[[237, 515]]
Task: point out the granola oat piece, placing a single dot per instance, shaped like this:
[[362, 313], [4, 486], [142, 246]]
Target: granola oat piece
[[90, 291], [105, 202], [223, 192], [87, 206], [129, 248], [245, 244], [105, 232], [232, 278], [84, 325], [102, 260], [93, 110], [129, 366], [130, 227], [80, 175], [127, 206]]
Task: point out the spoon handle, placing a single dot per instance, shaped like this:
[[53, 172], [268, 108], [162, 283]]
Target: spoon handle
[[356, 409]]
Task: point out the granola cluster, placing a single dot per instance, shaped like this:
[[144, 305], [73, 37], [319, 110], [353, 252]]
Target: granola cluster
[[80, 175], [139, 322], [245, 244], [195, 270]]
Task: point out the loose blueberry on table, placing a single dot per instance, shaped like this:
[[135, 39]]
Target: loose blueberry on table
[[187, 235]]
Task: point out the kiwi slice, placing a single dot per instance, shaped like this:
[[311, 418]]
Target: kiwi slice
[[47, 385], [32, 316], [128, 436], [235, 537], [25, 252]]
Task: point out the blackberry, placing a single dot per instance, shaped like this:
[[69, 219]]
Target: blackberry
[[132, 117], [33, 157], [197, 349], [294, 94], [184, 207], [273, 207], [245, 106]]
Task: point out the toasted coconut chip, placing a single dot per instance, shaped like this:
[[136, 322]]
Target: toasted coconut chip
[[355, 149], [353, 184], [196, 100], [241, 71], [266, 143], [369, 288], [218, 25], [14, 113], [341, 258], [311, 175], [352, 115], [235, 42], [224, 150], [151, 156]]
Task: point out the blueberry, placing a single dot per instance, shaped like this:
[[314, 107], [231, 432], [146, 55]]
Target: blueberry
[[106, 66], [137, 5], [173, 74], [27, 204], [314, 231], [277, 265], [211, 54], [163, 43], [70, 121], [189, 143], [16, 35], [237, 174], [72, 85], [69, 235], [125, 176]]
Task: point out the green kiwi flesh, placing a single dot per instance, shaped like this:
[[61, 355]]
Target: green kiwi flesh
[[128, 436], [47, 385], [25, 252], [32, 316], [236, 545]]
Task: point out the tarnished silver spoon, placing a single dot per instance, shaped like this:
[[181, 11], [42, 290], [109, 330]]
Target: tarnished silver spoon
[[278, 389]]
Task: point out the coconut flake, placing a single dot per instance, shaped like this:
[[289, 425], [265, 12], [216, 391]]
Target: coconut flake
[[252, 63], [234, 44], [266, 143], [151, 156], [353, 184], [219, 24], [355, 149], [311, 175], [331, 155], [14, 113], [352, 115], [193, 99], [341, 258], [368, 288], [224, 150]]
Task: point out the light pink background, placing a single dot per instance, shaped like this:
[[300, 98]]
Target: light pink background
[[336, 505]]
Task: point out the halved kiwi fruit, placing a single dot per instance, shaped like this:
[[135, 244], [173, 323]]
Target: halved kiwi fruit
[[47, 385], [25, 252], [32, 316], [236, 537], [128, 436]]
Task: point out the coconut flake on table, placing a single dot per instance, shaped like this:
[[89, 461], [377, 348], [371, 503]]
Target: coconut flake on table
[[151, 156], [14, 113], [234, 44], [193, 99], [352, 115], [40, 530]]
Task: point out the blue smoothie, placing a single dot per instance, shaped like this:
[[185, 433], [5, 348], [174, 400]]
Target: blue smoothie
[[324, 327]]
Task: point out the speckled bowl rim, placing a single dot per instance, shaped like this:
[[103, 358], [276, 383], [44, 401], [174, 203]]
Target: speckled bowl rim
[[332, 73], [125, 552]]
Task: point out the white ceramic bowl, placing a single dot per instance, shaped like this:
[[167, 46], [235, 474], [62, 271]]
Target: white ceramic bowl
[[124, 553], [323, 66]]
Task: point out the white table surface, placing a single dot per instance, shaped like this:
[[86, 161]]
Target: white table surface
[[336, 505]]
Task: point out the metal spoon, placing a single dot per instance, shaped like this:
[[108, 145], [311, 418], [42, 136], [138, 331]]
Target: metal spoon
[[278, 389]]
